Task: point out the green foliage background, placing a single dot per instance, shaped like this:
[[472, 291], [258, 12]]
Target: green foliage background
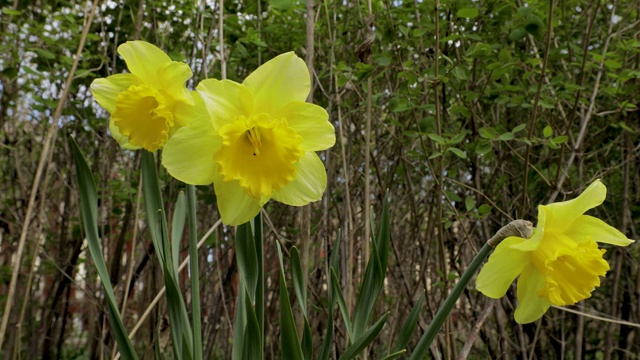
[[474, 123]]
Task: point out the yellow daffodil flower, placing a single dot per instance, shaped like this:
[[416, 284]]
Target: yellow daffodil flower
[[560, 264], [257, 143], [147, 105]]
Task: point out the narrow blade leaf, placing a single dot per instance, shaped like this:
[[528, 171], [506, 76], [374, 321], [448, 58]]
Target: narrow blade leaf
[[298, 280], [89, 216], [289, 342], [247, 258], [365, 339], [177, 228]]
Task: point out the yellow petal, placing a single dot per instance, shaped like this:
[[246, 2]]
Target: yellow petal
[[226, 100], [279, 81], [589, 227], [173, 77], [504, 265], [309, 184], [531, 307], [185, 113], [144, 60], [561, 215], [188, 155], [235, 205], [312, 123], [106, 90]]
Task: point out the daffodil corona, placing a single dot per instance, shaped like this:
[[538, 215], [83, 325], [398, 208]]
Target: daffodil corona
[[258, 143], [149, 104], [560, 264]]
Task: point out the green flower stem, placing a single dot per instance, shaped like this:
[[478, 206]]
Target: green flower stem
[[520, 228], [194, 271]]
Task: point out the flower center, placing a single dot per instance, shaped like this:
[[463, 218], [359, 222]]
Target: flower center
[[253, 135], [571, 271], [260, 153], [143, 116]]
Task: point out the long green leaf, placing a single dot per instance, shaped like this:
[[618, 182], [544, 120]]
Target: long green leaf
[[365, 339], [342, 304], [298, 280], [372, 283], [247, 258], [300, 289], [289, 342], [408, 327], [325, 350], [374, 275], [89, 216], [307, 340], [383, 238], [252, 340], [178, 317], [240, 321], [177, 229], [156, 344], [194, 272], [181, 335], [334, 260], [327, 341], [156, 220]]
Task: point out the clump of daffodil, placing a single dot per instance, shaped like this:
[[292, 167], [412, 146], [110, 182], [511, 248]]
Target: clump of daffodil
[[148, 104], [560, 264], [259, 142]]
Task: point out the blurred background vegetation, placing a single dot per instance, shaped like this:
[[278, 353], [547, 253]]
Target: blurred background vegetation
[[479, 111]]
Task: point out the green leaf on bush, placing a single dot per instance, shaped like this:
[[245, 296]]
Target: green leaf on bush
[[483, 147], [459, 73], [560, 139], [519, 128], [469, 203], [487, 133], [282, 4], [437, 138], [468, 13], [612, 64], [10, 11], [506, 136], [484, 209], [459, 153], [517, 34]]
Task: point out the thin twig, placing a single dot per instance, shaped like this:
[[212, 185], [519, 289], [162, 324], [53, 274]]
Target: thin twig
[[596, 317]]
